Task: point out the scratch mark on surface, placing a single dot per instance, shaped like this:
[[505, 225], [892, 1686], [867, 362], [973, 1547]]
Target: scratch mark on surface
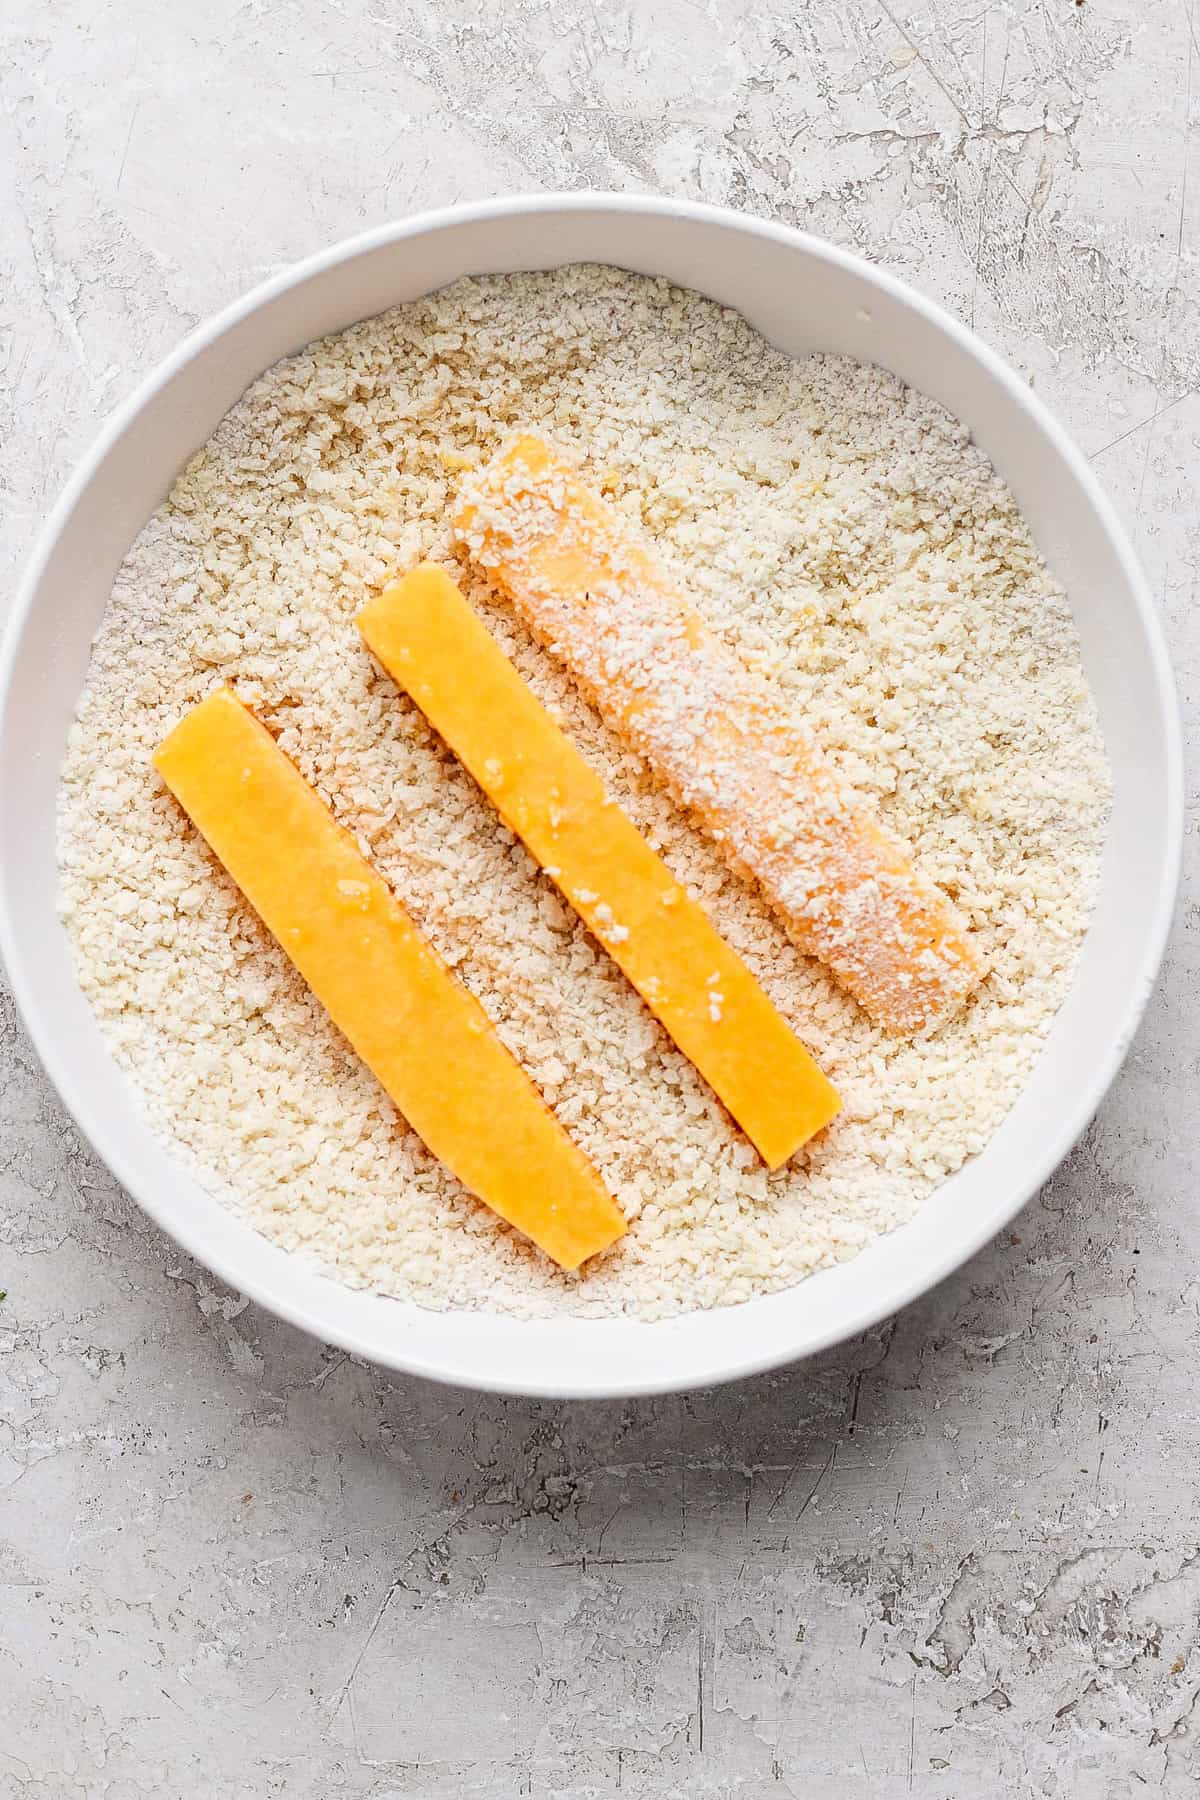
[[784, 1485], [924, 61], [133, 118], [987, 177], [1174, 281], [830, 1461], [376, 1622], [322, 1375], [604, 1528], [1150, 419], [700, 1691]]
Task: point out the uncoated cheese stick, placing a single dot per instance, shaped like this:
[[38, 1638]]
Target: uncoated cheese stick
[[421, 1033], [718, 735], [437, 649]]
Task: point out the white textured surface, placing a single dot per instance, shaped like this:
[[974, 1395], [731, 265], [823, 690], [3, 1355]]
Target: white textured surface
[[958, 1556]]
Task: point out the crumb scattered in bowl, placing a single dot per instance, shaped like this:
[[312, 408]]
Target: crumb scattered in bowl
[[836, 527]]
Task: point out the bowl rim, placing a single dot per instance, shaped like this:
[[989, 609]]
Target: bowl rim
[[408, 1359]]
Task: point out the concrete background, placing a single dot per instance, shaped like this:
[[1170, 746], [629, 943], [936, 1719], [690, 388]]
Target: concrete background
[[959, 1556]]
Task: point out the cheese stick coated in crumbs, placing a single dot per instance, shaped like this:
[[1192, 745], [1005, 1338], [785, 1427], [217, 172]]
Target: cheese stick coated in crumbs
[[719, 737]]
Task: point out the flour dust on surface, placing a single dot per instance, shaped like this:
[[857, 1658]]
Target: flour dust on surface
[[839, 530]]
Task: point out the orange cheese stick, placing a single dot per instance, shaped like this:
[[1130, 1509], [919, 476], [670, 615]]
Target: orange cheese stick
[[718, 735], [433, 644], [426, 1039]]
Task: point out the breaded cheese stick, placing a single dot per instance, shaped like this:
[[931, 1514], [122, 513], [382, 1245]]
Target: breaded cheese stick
[[718, 735]]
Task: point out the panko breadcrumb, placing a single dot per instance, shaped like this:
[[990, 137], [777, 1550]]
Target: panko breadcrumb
[[837, 529]]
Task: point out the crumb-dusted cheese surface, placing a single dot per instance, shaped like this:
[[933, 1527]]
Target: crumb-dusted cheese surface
[[835, 528], [723, 738]]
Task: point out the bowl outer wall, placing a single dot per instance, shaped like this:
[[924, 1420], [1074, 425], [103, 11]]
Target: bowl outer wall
[[803, 294]]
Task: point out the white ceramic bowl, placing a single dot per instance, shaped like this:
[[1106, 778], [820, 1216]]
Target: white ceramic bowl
[[805, 295]]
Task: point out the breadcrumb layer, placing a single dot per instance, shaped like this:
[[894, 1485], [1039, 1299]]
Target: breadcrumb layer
[[835, 528]]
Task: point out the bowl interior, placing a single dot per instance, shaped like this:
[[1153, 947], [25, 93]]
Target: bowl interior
[[805, 296]]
